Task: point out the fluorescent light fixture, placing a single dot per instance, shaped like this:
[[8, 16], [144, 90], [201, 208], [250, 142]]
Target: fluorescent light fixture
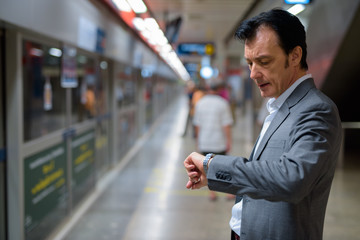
[[55, 52], [138, 6], [162, 40], [166, 48], [152, 40], [159, 37], [139, 24], [151, 24], [150, 30], [146, 33], [122, 5], [296, 9]]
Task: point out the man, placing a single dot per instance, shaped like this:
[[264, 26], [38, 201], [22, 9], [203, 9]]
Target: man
[[283, 188], [212, 121]]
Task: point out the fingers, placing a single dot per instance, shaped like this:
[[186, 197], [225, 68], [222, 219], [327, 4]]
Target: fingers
[[194, 160], [194, 168], [194, 175], [196, 183], [189, 167], [189, 184], [193, 184]]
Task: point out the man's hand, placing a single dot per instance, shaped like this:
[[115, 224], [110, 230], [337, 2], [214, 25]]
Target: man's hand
[[195, 170]]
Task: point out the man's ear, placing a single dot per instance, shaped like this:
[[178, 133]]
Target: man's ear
[[295, 56]]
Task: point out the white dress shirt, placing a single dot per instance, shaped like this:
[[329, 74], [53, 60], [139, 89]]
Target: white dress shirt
[[273, 106]]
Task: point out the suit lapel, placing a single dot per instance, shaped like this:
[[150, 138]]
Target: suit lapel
[[275, 123], [253, 150], [283, 113]]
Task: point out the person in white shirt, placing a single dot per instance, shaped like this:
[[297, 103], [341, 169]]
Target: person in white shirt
[[213, 121]]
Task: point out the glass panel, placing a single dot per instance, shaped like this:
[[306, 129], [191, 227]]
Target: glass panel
[[102, 114], [2, 142], [2, 93], [101, 89], [83, 167], [125, 91], [127, 131], [125, 86], [43, 96], [83, 96], [148, 101]]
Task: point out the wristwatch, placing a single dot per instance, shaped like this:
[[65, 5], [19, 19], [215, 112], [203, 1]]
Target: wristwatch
[[206, 161]]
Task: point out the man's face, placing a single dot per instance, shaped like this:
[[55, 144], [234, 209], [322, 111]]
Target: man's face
[[268, 63]]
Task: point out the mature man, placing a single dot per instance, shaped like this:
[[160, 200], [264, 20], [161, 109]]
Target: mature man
[[283, 188]]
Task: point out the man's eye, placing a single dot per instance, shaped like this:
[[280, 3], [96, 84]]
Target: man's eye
[[264, 63]]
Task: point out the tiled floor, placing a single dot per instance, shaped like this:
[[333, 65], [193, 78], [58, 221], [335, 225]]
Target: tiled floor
[[342, 218], [147, 198]]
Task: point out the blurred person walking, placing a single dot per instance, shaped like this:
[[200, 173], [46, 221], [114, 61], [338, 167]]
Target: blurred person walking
[[190, 89], [213, 121]]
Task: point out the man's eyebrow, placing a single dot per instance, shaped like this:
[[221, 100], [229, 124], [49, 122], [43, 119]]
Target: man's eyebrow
[[261, 57]]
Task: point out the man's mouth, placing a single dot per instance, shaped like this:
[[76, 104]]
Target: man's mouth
[[263, 85]]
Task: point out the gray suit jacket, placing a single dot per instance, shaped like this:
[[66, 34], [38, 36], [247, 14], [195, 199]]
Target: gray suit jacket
[[285, 186]]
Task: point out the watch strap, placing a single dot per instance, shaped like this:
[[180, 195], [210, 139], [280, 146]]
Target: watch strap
[[206, 161]]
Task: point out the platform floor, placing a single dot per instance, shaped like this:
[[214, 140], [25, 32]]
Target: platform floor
[[145, 197]]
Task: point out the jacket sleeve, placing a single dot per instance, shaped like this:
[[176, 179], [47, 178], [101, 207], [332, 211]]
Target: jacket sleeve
[[301, 154]]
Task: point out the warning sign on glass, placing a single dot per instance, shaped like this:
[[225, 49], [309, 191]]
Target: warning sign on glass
[[69, 75]]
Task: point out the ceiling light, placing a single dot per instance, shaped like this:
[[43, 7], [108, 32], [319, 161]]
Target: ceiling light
[[55, 52], [162, 40], [151, 24], [139, 24], [137, 6], [166, 48], [206, 72], [146, 33], [122, 5], [296, 9]]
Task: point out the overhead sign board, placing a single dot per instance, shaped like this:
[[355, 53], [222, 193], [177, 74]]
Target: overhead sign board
[[200, 49], [297, 1]]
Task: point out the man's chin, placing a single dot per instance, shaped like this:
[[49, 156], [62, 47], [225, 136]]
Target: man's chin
[[264, 94]]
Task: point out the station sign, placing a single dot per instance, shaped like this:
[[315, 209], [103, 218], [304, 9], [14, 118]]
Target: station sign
[[297, 1], [196, 49], [192, 68]]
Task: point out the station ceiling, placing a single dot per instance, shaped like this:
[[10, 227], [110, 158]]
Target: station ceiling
[[202, 20]]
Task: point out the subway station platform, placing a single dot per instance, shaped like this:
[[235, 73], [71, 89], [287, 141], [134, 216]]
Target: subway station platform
[[144, 197]]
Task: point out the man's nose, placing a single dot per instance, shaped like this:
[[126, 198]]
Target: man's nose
[[254, 72]]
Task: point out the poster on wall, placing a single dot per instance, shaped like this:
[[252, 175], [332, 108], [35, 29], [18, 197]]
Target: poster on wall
[[44, 184], [69, 78]]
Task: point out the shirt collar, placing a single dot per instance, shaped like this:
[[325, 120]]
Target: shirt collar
[[274, 104]]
